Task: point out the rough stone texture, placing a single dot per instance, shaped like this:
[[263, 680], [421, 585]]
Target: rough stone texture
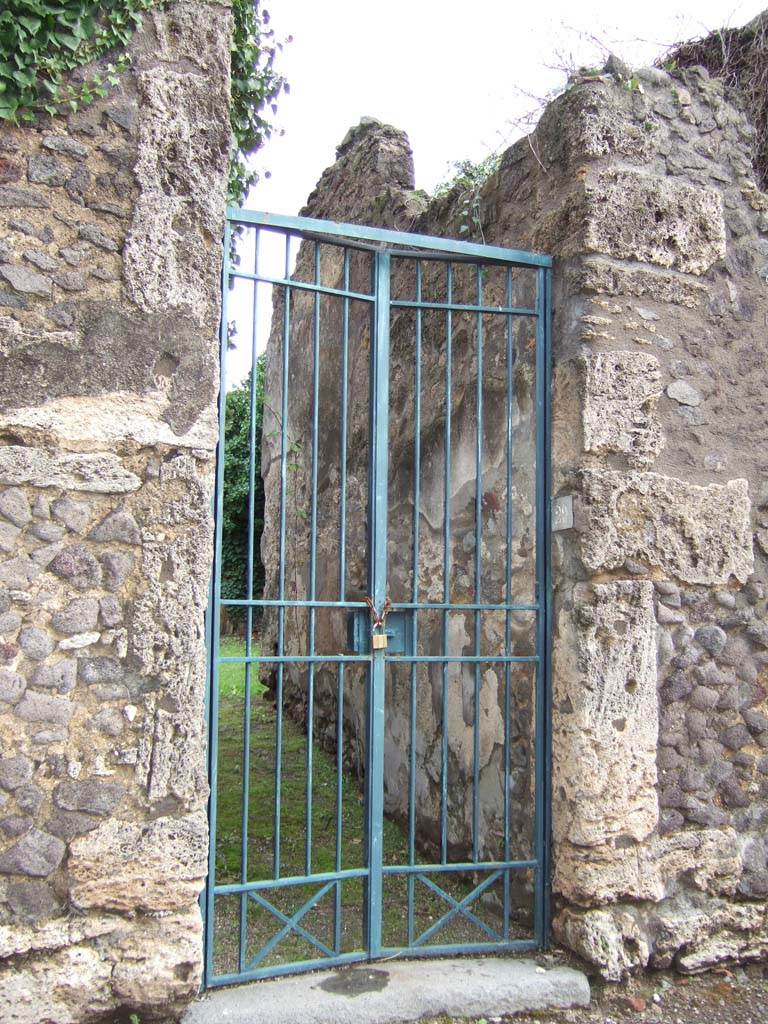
[[619, 415], [137, 859], [108, 376], [653, 219], [696, 534], [610, 728]]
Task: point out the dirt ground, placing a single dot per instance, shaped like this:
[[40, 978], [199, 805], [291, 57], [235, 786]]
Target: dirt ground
[[737, 995]]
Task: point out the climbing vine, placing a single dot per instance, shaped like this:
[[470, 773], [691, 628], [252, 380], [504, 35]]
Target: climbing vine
[[45, 45], [466, 186]]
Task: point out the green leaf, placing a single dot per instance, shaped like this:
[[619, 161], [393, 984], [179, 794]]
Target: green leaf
[[31, 24]]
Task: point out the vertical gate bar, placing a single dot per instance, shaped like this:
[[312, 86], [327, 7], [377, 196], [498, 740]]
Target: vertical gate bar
[[343, 438], [542, 539], [339, 801], [415, 599], [281, 561], [446, 561], [478, 571], [249, 612], [214, 612], [508, 589], [342, 590], [370, 526], [380, 464], [313, 559], [546, 703]]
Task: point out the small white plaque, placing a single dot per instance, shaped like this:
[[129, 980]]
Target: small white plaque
[[562, 513]]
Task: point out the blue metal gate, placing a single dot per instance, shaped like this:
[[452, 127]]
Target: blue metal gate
[[379, 676]]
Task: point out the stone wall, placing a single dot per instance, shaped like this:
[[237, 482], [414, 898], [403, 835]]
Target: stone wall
[[645, 196], [110, 227], [372, 183]]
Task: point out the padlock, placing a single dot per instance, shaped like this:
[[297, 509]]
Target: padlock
[[379, 641]]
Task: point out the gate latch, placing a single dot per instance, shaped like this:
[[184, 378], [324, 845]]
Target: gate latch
[[396, 636]]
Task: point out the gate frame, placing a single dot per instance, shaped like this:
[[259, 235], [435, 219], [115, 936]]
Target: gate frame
[[375, 240]]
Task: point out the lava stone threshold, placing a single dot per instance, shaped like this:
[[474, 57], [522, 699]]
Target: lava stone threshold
[[389, 992]]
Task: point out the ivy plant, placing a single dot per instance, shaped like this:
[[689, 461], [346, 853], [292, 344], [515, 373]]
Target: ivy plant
[[44, 42], [256, 86]]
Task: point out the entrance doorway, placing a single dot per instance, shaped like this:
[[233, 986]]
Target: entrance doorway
[[379, 617]]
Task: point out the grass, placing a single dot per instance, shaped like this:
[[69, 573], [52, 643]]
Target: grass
[[337, 919]]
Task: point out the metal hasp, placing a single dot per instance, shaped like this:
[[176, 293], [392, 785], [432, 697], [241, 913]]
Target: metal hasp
[[380, 767], [398, 631]]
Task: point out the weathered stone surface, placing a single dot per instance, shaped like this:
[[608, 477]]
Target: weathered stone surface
[[35, 643], [29, 798], [74, 514], [22, 279], [637, 216], [16, 825], [99, 670], [36, 854], [109, 721], [155, 867], [102, 473], [94, 967], [117, 526], [15, 506], [79, 616], [68, 824], [47, 170], [36, 707], [89, 796], [618, 415], [65, 144], [173, 188], [697, 534], [611, 728], [709, 857], [110, 612], [100, 398], [12, 687], [117, 565], [22, 198], [94, 234], [79, 641], [32, 901], [15, 771], [61, 676], [684, 393], [78, 566], [689, 934]]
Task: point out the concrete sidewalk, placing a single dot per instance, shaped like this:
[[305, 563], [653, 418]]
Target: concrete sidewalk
[[396, 991]]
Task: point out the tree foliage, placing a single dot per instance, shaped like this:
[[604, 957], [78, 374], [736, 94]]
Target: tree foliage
[[237, 476]]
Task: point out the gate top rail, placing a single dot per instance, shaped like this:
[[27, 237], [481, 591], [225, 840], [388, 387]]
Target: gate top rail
[[358, 232]]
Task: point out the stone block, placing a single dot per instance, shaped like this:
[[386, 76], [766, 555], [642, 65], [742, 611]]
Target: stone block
[[631, 215], [89, 796], [619, 409], [695, 534], [607, 682], [36, 854], [79, 616], [102, 473], [127, 867], [36, 707]]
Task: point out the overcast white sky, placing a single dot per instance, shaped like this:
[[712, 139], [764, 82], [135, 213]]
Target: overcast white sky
[[446, 72]]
